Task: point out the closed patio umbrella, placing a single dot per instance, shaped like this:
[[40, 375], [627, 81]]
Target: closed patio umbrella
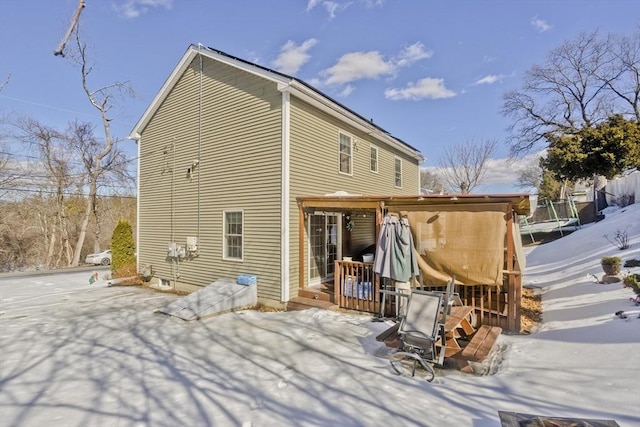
[[395, 256]]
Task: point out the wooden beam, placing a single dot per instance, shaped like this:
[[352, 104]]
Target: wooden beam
[[335, 204], [301, 240], [512, 302]]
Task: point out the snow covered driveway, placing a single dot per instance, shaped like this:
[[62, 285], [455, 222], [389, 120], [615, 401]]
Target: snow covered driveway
[[80, 355]]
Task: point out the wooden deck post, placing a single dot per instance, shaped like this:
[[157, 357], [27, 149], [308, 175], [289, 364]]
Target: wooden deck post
[[513, 282], [301, 269]]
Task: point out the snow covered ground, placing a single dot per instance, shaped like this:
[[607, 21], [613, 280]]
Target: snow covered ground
[[75, 354]]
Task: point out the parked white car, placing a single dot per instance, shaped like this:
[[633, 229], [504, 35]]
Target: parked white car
[[103, 258]]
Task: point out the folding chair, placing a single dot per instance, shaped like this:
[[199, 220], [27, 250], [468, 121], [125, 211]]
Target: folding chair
[[420, 331]]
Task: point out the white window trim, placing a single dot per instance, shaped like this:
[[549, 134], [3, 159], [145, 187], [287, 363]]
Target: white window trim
[[285, 271], [374, 148], [224, 235], [396, 158], [350, 173]]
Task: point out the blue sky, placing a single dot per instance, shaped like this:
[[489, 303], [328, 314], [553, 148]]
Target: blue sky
[[432, 73]]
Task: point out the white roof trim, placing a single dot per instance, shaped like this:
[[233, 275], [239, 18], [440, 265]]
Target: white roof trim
[[284, 84]]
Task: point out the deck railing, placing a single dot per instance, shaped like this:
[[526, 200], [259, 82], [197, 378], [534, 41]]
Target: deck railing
[[494, 305], [357, 287]]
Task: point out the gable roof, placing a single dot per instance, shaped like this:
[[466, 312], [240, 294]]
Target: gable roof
[[286, 83]]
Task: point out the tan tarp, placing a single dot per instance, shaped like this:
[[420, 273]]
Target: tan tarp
[[517, 242], [465, 241]]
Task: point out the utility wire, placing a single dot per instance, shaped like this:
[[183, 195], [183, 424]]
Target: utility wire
[[66, 193]]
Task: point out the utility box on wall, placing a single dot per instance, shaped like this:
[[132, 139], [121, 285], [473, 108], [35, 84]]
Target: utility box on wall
[[172, 250], [192, 244]]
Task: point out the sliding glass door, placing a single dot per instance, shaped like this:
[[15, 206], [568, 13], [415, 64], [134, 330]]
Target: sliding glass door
[[325, 245]]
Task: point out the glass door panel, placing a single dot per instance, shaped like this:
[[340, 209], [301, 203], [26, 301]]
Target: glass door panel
[[324, 246]]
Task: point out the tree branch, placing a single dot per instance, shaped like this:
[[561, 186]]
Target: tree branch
[[74, 23]]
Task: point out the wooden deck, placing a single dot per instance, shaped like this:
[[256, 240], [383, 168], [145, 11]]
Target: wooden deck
[[463, 342], [358, 288]]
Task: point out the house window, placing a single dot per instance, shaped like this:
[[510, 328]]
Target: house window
[[373, 159], [233, 224], [398, 172], [346, 150]]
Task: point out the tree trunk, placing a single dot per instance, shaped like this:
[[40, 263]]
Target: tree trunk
[[85, 222], [97, 233], [599, 194]]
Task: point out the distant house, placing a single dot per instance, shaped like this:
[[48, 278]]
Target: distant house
[[225, 148]]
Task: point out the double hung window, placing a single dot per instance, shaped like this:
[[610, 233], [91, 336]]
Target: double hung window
[[398, 172], [233, 235], [346, 154], [373, 166]]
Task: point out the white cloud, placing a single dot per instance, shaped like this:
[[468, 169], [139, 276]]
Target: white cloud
[[292, 56], [540, 25], [372, 3], [427, 88], [253, 56], [411, 54], [132, 9], [312, 3], [357, 65], [346, 91], [489, 79], [507, 170], [332, 7]]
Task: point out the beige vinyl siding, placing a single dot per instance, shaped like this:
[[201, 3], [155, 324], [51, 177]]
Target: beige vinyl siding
[[314, 158], [239, 169], [315, 171], [363, 232]]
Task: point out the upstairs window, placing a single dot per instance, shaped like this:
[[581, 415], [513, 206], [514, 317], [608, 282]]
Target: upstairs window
[[233, 237], [346, 154], [373, 159], [398, 172]]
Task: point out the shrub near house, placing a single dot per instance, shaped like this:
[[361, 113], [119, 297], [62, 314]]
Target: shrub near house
[[123, 251]]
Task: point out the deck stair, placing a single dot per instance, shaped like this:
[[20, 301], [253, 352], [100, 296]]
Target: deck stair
[[303, 303]]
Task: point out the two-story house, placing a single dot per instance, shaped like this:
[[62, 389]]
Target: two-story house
[[225, 148]]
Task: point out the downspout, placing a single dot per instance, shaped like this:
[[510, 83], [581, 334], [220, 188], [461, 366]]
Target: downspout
[[173, 238], [199, 140], [284, 207], [137, 139]]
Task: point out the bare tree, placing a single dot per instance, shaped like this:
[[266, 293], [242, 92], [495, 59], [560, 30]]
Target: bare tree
[[430, 182], [464, 166], [72, 27], [99, 158], [623, 76], [5, 82], [55, 162], [530, 177], [581, 83], [9, 172], [100, 166], [19, 236]]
